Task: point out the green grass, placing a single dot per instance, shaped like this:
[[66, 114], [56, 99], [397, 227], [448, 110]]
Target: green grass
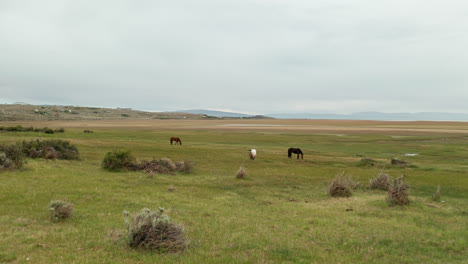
[[279, 214]]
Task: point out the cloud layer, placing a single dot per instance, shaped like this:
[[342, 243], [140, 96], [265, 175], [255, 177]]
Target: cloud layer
[[253, 56]]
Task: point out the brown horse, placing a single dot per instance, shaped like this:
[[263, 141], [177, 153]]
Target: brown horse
[[176, 140]]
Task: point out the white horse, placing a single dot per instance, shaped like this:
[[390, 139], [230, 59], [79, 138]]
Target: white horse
[[252, 154]]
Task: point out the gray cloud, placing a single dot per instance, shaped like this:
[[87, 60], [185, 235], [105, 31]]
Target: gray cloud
[[255, 56]]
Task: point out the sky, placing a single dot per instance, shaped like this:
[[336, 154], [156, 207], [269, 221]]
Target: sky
[[248, 56]]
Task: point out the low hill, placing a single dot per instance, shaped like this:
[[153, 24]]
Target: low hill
[[18, 112]]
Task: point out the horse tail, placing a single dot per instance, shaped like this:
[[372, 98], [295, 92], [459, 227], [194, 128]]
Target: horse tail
[[289, 153]]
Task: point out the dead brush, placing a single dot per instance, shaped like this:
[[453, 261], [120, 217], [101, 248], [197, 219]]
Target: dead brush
[[398, 193], [60, 210], [341, 186], [185, 166], [380, 182], [241, 173], [154, 230]]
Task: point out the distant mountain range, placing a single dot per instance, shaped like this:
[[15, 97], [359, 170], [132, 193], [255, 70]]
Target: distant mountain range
[[219, 113], [423, 116]]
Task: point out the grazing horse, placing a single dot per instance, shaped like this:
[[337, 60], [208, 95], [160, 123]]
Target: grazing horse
[[297, 151], [252, 154], [176, 140]]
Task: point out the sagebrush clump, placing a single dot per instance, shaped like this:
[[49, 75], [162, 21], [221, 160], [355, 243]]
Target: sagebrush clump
[[163, 166], [118, 160], [341, 186], [154, 230], [380, 182], [398, 193], [50, 149], [60, 210], [11, 156]]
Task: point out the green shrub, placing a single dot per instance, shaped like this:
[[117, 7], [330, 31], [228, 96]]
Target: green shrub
[[53, 148], [154, 230], [60, 210], [11, 157], [118, 160], [398, 193], [380, 182]]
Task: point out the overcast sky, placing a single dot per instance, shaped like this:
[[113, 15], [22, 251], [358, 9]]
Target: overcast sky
[[250, 56]]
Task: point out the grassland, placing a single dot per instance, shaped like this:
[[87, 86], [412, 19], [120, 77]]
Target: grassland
[[280, 213]]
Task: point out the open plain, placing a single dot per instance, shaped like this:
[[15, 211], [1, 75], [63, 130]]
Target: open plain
[[280, 213]]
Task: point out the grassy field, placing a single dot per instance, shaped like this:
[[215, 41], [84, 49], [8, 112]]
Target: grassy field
[[280, 213]]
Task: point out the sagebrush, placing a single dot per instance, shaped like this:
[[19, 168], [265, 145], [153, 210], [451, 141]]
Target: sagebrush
[[154, 230], [60, 210], [50, 149]]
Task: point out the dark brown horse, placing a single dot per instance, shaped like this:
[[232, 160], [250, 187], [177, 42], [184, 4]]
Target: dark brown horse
[[176, 140], [297, 151]]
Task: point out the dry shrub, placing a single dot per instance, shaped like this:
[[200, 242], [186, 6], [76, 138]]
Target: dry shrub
[[164, 166], [154, 230], [398, 193], [341, 186], [380, 182], [185, 166], [60, 210], [436, 194], [50, 153], [241, 173]]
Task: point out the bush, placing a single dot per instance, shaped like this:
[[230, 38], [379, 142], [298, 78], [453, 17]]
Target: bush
[[380, 182], [398, 193], [163, 166], [118, 160], [367, 162], [185, 166], [11, 156], [60, 210], [154, 230], [241, 173], [341, 186], [51, 149]]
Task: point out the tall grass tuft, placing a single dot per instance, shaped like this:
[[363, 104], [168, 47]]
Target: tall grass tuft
[[436, 194], [154, 230], [398, 193], [241, 173], [60, 210]]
